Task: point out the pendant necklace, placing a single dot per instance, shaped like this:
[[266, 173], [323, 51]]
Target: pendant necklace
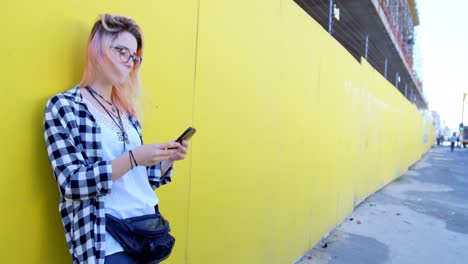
[[113, 108], [122, 135]]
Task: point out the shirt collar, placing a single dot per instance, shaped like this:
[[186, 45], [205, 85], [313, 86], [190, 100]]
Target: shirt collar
[[75, 94]]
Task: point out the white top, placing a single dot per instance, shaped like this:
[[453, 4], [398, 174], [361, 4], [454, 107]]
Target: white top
[[131, 194]]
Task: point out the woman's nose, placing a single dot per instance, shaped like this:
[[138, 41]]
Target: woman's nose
[[129, 64]]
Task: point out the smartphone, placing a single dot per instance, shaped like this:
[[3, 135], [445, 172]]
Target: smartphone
[[188, 133]]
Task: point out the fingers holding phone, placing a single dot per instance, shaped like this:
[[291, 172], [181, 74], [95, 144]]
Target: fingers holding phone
[[150, 154], [180, 152]]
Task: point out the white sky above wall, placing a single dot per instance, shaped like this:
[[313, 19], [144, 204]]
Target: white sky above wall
[[443, 47]]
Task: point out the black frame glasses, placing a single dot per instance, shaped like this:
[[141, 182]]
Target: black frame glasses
[[125, 55]]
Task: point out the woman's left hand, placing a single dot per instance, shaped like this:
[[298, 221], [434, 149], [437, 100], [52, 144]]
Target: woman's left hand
[[181, 152]]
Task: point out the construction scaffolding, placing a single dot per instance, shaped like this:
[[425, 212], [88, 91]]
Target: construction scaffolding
[[402, 16], [381, 31]]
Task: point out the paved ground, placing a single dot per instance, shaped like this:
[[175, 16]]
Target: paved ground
[[422, 217]]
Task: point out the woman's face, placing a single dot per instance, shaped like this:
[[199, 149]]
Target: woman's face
[[122, 50]]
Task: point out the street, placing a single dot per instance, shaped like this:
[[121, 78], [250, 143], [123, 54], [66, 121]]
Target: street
[[421, 217]]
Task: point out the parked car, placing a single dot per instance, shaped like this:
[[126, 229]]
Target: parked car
[[464, 136]]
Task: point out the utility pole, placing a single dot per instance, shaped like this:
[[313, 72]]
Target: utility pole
[[330, 17], [463, 106], [386, 64], [397, 79], [367, 45]]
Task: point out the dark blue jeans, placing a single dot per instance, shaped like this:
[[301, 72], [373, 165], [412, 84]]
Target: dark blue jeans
[[120, 258]]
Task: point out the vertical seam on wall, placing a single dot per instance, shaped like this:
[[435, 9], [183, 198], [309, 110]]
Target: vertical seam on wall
[[193, 118]]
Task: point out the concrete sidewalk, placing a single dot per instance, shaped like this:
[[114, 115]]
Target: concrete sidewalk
[[422, 217]]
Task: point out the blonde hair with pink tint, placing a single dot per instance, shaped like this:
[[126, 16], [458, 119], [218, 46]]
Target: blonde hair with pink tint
[[98, 60]]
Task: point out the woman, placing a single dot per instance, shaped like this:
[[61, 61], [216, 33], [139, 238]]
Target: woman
[[452, 141], [94, 143]]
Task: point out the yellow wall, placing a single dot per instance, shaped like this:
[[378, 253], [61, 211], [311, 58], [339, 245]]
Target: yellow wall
[[293, 132]]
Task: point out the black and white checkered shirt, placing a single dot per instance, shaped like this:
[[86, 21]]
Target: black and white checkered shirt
[[83, 177]]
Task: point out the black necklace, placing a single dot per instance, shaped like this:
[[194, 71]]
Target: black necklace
[[122, 135], [114, 109]]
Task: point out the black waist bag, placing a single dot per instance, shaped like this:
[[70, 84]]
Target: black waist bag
[[145, 238]]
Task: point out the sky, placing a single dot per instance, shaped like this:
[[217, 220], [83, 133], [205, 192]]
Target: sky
[[443, 46]]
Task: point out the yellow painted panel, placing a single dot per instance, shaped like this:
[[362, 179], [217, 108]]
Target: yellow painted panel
[[235, 175]]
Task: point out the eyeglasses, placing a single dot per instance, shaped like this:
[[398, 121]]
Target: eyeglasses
[[126, 55]]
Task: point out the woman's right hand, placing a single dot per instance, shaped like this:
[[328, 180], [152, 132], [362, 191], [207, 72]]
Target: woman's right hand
[[150, 154]]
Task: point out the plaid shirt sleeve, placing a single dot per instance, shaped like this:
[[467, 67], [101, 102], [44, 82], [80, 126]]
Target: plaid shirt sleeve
[[154, 172], [155, 178], [77, 179]]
